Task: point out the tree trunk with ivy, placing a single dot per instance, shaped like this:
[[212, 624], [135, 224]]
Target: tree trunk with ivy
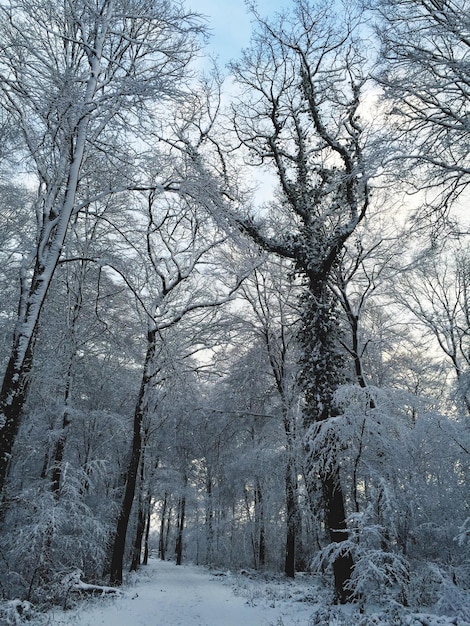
[[322, 372]]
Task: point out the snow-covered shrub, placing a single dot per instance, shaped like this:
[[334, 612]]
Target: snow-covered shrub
[[436, 586], [378, 574], [391, 615], [16, 612], [353, 616], [403, 468], [45, 537]]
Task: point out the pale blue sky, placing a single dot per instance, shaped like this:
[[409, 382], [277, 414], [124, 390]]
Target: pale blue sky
[[230, 23]]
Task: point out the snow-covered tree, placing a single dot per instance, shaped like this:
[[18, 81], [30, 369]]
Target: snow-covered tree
[[172, 272], [78, 79], [435, 291], [425, 76], [272, 295], [301, 83]]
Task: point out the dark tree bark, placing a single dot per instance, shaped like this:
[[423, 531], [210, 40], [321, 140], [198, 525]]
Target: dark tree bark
[[292, 515], [148, 516], [139, 535], [59, 451], [209, 521], [59, 446], [322, 372], [119, 544], [336, 519], [179, 537], [260, 539], [140, 527], [168, 529], [12, 399], [161, 540]]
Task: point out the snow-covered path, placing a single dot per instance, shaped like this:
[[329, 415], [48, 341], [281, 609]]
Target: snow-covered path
[[163, 594], [167, 595]]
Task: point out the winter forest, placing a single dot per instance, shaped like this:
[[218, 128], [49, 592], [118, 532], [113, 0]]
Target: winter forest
[[235, 301]]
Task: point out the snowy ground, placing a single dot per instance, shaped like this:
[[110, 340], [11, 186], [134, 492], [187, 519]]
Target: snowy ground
[[162, 594], [166, 595]]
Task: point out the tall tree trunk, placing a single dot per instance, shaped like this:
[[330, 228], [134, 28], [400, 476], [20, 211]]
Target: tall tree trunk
[[119, 545], [321, 375], [139, 535], [260, 537], [12, 398], [292, 505], [140, 527], [161, 540], [209, 522], [336, 519], [168, 528], [59, 447], [179, 537], [291, 516], [58, 457], [252, 523], [148, 517]]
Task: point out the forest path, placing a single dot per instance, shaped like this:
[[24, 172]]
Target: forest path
[[168, 595]]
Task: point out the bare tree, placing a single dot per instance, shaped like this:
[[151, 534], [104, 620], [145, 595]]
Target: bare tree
[[436, 292], [425, 76]]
